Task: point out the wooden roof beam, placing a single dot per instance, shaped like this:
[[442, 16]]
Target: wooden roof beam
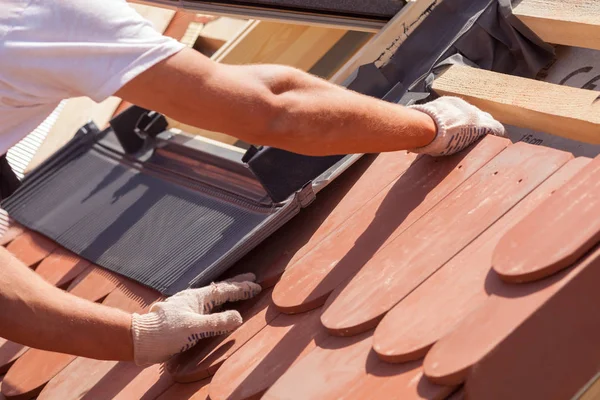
[[559, 110], [567, 22]]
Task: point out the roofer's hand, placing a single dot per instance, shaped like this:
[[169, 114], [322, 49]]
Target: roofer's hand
[[459, 125], [178, 323]]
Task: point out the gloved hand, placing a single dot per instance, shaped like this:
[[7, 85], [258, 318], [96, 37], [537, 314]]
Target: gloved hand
[[459, 125], [178, 323]]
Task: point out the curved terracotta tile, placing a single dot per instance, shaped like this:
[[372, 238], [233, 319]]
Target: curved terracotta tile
[[31, 248], [307, 284], [458, 395], [571, 227], [434, 239], [187, 391], [509, 305], [61, 267], [131, 296], [256, 366], [96, 379], [149, 383], [347, 368], [1, 395], [94, 284], [76, 379], [205, 359], [9, 353], [30, 373], [409, 330], [14, 230], [333, 206], [553, 353]]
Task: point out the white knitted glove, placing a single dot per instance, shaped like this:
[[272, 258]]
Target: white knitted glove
[[459, 125], [180, 322]]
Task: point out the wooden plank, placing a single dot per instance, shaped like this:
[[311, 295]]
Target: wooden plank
[[560, 110], [429, 313], [340, 254], [567, 22], [385, 43], [408, 261], [554, 235]]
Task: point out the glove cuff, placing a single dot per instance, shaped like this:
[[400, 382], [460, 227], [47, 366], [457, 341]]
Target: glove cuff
[[145, 330], [438, 146]]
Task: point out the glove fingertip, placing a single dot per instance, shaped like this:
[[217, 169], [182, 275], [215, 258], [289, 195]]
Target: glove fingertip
[[232, 319]]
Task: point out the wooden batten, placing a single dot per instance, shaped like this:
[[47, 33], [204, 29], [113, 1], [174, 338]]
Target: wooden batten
[[559, 110], [567, 22]]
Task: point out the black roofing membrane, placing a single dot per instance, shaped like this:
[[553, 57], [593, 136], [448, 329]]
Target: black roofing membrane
[[159, 230]]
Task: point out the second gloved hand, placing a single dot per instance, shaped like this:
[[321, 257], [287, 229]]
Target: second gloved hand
[[178, 323], [459, 124]]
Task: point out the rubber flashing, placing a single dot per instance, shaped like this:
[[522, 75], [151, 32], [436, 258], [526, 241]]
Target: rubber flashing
[[177, 219]]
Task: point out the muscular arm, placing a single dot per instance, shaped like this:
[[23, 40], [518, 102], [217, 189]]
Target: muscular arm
[[37, 314], [276, 106]]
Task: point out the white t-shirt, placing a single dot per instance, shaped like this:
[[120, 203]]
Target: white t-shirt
[[51, 50]]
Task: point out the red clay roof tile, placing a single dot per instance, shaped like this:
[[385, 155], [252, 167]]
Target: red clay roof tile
[[569, 220], [61, 267], [1, 395], [552, 354], [187, 391], [508, 306], [30, 373], [76, 379], [409, 330], [422, 249], [255, 367], [9, 353], [108, 380], [308, 283], [31, 248], [331, 209], [14, 230], [94, 284], [347, 368]]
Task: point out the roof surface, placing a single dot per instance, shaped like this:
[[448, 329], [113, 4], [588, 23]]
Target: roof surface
[[383, 288]]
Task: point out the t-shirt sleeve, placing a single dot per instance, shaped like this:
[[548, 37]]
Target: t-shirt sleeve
[[71, 48]]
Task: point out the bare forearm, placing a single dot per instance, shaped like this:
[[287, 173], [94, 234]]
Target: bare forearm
[[277, 106], [36, 314], [320, 118]]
